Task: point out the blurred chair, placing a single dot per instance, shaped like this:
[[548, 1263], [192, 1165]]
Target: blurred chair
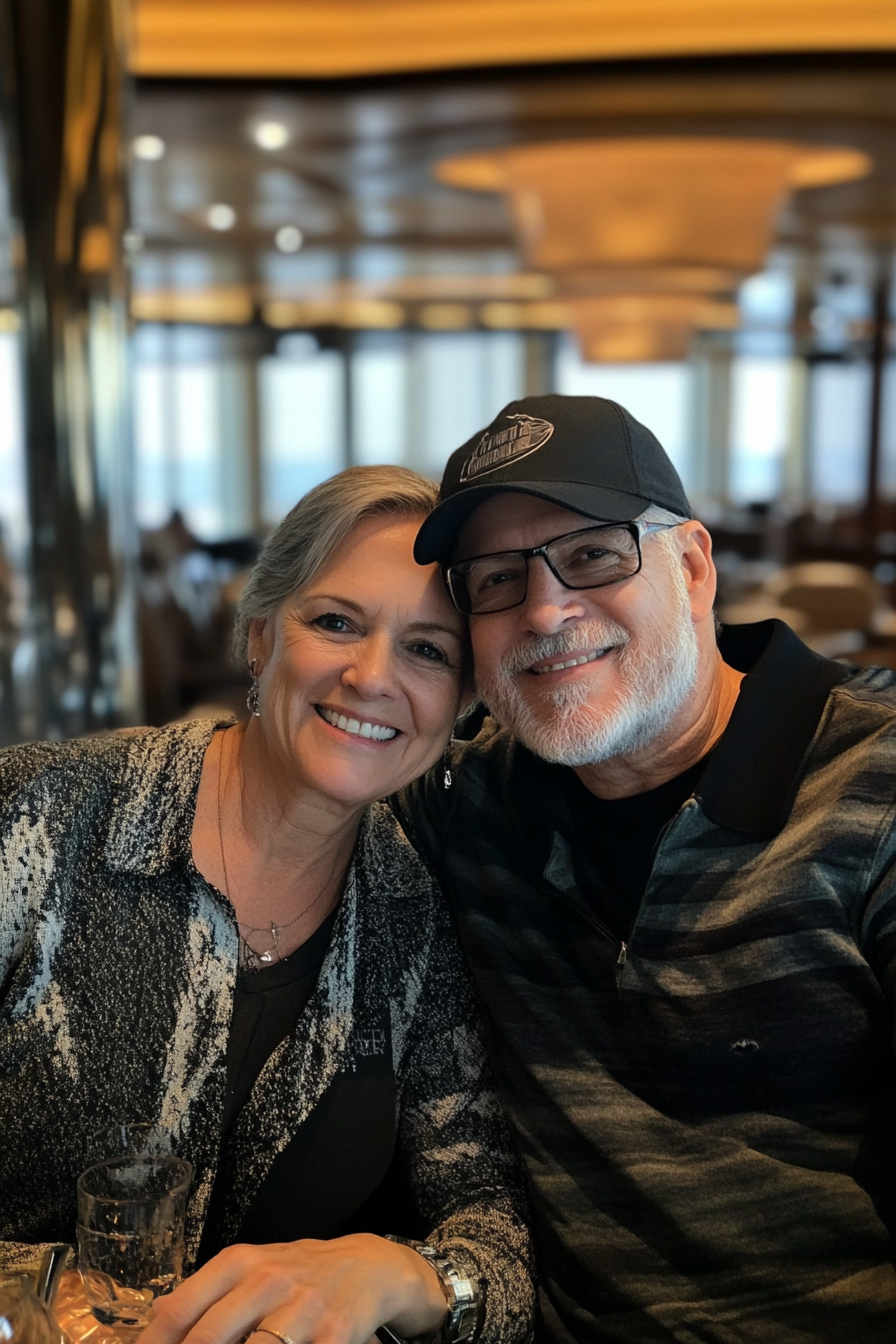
[[188, 593], [836, 608], [834, 595]]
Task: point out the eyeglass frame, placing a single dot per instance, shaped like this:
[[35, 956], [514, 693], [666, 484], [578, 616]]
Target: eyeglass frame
[[635, 528]]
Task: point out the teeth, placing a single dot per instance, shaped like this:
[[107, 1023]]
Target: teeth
[[570, 662], [377, 731]]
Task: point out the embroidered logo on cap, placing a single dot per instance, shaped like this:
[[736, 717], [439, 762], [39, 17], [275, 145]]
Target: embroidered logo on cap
[[497, 449]]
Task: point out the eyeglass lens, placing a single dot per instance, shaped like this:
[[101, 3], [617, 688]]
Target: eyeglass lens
[[588, 559]]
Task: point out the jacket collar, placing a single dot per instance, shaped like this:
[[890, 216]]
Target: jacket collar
[[152, 817], [751, 776]]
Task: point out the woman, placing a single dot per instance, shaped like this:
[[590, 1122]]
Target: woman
[[220, 930]]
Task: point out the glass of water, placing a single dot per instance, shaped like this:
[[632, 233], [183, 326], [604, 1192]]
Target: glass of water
[[131, 1234]]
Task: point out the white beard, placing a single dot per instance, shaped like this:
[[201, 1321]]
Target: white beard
[[579, 730]]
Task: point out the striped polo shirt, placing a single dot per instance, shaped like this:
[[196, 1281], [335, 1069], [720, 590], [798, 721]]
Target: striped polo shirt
[[707, 1117]]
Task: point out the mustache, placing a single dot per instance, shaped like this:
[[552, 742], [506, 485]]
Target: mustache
[[584, 635]]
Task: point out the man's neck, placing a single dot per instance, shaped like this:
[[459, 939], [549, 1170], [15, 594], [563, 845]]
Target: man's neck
[[693, 733]]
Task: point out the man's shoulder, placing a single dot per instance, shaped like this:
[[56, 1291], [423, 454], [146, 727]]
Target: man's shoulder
[[491, 748], [861, 713], [478, 784], [495, 759], [872, 685]]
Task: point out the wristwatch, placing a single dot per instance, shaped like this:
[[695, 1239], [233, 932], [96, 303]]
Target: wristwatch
[[464, 1295]]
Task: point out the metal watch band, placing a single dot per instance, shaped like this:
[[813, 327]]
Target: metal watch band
[[463, 1294]]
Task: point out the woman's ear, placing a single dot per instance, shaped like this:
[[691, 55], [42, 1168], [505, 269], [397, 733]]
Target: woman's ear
[[259, 639]]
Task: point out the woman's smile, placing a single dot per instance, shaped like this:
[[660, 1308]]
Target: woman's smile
[[376, 732]]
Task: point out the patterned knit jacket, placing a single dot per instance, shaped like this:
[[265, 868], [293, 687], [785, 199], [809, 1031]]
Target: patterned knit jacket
[[117, 970]]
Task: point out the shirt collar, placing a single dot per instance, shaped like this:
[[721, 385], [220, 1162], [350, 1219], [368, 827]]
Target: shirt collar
[[751, 775]]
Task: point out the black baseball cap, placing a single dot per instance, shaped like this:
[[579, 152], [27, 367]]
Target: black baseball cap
[[584, 453]]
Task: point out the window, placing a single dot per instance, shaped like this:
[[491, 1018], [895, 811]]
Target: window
[[458, 384], [302, 435], [760, 420], [839, 407], [13, 502], [380, 400]]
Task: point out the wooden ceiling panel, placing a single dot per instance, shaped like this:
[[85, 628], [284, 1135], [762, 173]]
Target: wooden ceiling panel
[[338, 38]]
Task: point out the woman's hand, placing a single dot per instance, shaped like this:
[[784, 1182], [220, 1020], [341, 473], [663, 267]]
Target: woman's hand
[[313, 1292]]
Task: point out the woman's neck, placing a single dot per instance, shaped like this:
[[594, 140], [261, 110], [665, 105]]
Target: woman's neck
[[279, 853]]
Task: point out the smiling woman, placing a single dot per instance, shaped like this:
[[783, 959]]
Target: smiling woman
[[272, 975]]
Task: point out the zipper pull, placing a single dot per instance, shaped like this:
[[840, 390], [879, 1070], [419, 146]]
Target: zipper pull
[[623, 954]]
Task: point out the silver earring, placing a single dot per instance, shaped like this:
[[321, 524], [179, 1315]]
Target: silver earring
[[252, 699]]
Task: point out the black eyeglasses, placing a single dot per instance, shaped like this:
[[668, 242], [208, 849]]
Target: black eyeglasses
[[592, 558]]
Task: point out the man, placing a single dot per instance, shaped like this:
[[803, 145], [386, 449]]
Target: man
[[672, 863]]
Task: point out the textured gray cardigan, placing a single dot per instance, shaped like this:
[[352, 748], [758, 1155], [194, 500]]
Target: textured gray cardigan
[[117, 969]]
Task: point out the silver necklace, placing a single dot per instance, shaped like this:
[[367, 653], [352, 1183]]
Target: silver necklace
[[249, 958]]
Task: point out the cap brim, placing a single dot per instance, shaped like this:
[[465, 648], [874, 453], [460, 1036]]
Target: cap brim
[[438, 534]]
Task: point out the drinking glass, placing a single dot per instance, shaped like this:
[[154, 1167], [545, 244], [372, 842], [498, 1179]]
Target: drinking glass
[[131, 1234], [23, 1317]]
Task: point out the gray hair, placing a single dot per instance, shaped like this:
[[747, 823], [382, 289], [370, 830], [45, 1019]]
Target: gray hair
[[313, 531], [669, 542], [655, 514]]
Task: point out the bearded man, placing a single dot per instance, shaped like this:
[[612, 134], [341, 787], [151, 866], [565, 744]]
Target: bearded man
[[671, 857]]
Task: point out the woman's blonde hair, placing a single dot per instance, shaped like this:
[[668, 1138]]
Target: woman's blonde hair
[[313, 531]]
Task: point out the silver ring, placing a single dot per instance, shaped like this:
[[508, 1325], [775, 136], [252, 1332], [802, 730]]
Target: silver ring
[[269, 1330]]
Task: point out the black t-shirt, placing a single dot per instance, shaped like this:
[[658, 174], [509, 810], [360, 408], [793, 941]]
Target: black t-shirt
[[613, 842], [267, 1004], [341, 1172]]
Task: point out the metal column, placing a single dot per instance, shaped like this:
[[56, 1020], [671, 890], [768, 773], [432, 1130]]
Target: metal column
[[63, 113]]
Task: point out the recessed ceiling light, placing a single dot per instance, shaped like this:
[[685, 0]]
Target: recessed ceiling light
[[270, 135], [289, 238], [150, 147], [221, 217]]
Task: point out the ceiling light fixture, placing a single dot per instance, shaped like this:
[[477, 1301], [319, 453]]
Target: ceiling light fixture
[[630, 204], [149, 147], [635, 328], [270, 135], [289, 238], [221, 217]]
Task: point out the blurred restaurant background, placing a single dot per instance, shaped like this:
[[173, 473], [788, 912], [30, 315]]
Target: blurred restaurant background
[[243, 245]]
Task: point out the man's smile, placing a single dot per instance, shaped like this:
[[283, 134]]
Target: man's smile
[[575, 660]]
